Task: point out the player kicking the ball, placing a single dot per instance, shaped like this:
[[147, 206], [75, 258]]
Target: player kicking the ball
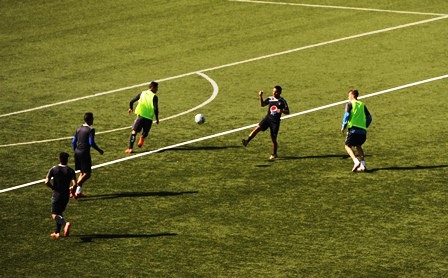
[[277, 106]]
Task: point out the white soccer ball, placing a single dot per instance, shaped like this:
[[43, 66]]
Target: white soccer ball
[[199, 118]]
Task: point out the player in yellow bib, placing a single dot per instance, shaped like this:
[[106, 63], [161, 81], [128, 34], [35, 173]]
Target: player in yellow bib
[[357, 119], [147, 111]]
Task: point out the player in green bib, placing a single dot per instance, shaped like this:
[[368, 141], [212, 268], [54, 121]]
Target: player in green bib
[[357, 119], [147, 111]]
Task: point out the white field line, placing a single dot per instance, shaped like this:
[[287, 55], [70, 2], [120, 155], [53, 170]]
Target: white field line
[[368, 95], [234, 64], [97, 94], [327, 43], [237, 130], [210, 99], [337, 7]]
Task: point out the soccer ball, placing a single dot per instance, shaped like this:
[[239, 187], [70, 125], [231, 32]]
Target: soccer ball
[[199, 119]]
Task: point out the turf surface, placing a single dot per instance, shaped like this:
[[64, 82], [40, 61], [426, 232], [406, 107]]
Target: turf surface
[[214, 208]]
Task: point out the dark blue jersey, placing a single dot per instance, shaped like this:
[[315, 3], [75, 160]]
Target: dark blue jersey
[[84, 139], [274, 104], [62, 176]]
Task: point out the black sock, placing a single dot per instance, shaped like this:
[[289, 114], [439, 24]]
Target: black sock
[[58, 228], [60, 220], [132, 140]]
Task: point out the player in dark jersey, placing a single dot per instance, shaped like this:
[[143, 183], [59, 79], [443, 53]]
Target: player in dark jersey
[[62, 176], [276, 107], [82, 141]]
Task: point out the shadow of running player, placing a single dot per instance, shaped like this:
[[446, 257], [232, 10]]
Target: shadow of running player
[[401, 168], [91, 237], [135, 194]]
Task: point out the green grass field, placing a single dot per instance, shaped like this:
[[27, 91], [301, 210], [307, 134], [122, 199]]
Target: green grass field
[[214, 208]]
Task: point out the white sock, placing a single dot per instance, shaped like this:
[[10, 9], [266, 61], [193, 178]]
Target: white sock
[[355, 161], [363, 163], [78, 190]]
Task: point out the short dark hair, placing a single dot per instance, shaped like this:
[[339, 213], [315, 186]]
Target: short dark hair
[[153, 84], [354, 92], [63, 158], [278, 88], [88, 117]]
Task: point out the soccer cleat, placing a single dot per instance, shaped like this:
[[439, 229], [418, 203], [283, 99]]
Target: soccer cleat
[[67, 228], [140, 142], [79, 195], [128, 150], [245, 142], [362, 167], [54, 235], [356, 166], [273, 157]]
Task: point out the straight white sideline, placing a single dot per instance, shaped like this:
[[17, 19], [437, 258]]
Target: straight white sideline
[[238, 129], [337, 7], [231, 64]]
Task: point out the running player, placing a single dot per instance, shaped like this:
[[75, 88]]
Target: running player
[[147, 111], [357, 119], [81, 143], [277, 106], [62, 175]]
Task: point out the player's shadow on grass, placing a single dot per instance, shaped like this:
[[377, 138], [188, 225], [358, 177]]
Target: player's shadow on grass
[[90, 238], [343, 156], [211, 148], [269, 162], [136, 194], [401, 168]]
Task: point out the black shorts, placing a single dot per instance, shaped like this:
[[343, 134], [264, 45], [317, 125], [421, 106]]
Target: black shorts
[[83, 162], [59, 203], [142, 123], [272, 124], [355, 139]]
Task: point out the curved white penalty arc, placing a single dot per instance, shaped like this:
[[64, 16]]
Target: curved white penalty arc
[[238, 129], [210, 99]]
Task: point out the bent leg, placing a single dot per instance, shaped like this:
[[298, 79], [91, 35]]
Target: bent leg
[[251, 135], [254, 133], [83, 177], [360, 152], [350, 152]]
